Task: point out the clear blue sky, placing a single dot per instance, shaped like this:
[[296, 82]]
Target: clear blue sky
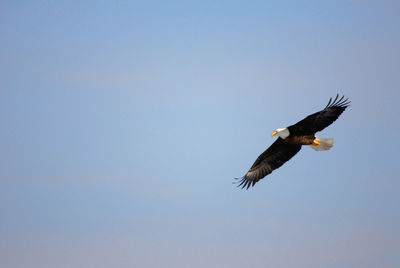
[[123, 124]]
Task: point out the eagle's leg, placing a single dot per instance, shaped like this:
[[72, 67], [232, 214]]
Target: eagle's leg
[[321, 144], [316, 142]]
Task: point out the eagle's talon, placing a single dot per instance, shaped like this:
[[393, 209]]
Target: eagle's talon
[[316, 143]]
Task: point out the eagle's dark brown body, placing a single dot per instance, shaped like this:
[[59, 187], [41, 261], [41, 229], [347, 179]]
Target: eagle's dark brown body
[[303, 140]]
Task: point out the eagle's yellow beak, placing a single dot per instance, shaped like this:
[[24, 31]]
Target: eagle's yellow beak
[[274, 133]]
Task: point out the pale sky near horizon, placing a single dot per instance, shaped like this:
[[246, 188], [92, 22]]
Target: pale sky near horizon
[[123, 124]]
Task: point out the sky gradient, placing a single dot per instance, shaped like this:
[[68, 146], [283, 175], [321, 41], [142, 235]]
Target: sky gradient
[[123, 124]]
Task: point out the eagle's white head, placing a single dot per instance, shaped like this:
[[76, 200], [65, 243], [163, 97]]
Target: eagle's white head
[[281, 132]]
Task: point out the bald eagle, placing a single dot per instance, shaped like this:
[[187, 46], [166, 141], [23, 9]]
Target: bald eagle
[[292, 138]]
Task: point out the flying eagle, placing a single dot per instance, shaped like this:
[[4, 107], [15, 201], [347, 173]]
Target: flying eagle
[[292, 138]]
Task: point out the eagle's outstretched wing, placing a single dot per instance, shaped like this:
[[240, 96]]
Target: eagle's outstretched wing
[[320, 120], [274, 157]]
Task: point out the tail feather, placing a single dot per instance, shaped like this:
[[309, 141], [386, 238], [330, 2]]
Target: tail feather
[[325, 144]]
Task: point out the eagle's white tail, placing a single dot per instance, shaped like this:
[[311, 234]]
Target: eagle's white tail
[[325, 144]]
